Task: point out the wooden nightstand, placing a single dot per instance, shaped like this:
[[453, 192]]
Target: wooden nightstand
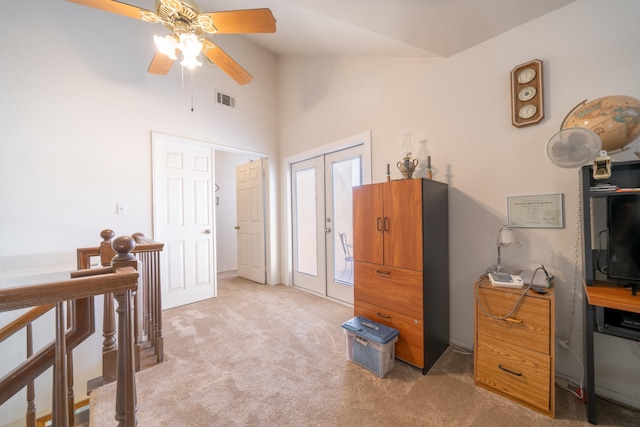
[[515, 357]]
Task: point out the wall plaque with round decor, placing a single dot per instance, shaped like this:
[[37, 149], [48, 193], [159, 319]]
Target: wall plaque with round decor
[[527, 106]]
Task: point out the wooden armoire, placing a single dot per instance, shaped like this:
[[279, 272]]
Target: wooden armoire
[[401, 261]]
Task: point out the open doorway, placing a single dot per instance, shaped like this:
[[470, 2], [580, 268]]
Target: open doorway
[[240, 206], [225, 205], [194, 214]]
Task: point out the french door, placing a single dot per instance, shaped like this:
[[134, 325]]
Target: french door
[[322, 214]]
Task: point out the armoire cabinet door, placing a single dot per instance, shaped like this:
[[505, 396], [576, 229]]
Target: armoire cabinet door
[[368, 223], [402, 207]]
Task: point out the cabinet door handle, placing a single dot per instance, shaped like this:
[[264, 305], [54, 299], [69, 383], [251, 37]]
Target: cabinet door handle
[[512, 320], [387, 273], [386, 223], [379, 224], [518, 374], [383, 316]]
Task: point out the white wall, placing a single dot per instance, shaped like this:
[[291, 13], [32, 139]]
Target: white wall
[[77, 109], [462, 106]]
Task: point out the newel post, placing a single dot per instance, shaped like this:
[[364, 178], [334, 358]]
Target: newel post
[[109, 347], [126, 405]]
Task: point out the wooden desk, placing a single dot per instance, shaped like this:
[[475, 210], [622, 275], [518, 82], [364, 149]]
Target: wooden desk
[[601, 294]]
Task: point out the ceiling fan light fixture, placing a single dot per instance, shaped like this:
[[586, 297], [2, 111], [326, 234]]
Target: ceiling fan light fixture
[[190, 62], [190, 45], [166, 45], [186, 22]]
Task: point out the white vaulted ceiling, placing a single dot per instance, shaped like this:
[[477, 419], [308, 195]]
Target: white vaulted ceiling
[[436, 28]]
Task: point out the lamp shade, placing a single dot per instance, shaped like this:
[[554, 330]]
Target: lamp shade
[[506, 237]]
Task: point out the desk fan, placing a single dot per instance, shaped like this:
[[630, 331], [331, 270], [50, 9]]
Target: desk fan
[[593, 130], [574, 147]]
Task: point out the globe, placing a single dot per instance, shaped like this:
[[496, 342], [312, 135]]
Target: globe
[[616, 119]]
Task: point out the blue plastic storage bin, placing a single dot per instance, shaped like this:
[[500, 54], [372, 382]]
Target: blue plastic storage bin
[[371, 344]]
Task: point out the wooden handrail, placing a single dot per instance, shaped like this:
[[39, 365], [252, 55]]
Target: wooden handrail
[[121, 279], [24, 320], [147, 304]]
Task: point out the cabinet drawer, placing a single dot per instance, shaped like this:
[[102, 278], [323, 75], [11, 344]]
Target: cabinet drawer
[[410, 345], [396, 289], [514, 372], [528, 326]]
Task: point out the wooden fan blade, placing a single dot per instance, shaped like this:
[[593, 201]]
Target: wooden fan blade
[[160, 64], [240, 21], [228, 65], [114, 7]]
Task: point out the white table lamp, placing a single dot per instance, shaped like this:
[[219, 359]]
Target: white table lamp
[[506, 237]]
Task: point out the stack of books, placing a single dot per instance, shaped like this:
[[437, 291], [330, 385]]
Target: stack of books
[[604, 187]]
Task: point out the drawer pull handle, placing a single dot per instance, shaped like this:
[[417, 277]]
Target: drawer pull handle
[[383, 316], [518, 374], [512, 320], [388, 273]]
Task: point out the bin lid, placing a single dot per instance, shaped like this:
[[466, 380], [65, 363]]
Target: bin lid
[[370, 330]]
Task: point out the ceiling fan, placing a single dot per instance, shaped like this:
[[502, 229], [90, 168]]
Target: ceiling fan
[[192, 31]]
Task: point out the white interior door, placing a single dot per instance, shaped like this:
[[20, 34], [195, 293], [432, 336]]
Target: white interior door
[[184, 219], [250, 221], [322, 214]]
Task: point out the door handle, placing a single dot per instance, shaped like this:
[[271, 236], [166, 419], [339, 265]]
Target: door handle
[[237, 227], [379, 224], [328, 230], [386, 223], [207, 231]]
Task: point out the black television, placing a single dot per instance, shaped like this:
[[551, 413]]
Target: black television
[[623, 243]]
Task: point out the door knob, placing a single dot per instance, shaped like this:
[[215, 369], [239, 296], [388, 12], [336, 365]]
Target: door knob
[[328, 230], [207, 231]]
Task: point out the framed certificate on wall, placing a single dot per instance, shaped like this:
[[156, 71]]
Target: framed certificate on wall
[[544, 211]]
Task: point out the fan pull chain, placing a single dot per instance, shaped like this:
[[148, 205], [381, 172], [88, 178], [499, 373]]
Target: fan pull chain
[[182, 80], [191, 90]]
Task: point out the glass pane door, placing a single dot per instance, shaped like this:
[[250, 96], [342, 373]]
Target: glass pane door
[[344, 171], [322, 214], [309, 270]]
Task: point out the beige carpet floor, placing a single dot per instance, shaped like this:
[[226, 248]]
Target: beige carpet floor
[[276, 356]]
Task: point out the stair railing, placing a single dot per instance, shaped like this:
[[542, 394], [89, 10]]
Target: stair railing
[[77, 295], [147, 303]]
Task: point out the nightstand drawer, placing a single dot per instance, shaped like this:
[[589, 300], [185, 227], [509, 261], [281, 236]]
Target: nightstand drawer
[[528, 326], [410, 345], [515, 373], [397, 289]]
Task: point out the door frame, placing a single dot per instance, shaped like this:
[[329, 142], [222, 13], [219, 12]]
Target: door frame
[[363, 139], [268, 215]]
